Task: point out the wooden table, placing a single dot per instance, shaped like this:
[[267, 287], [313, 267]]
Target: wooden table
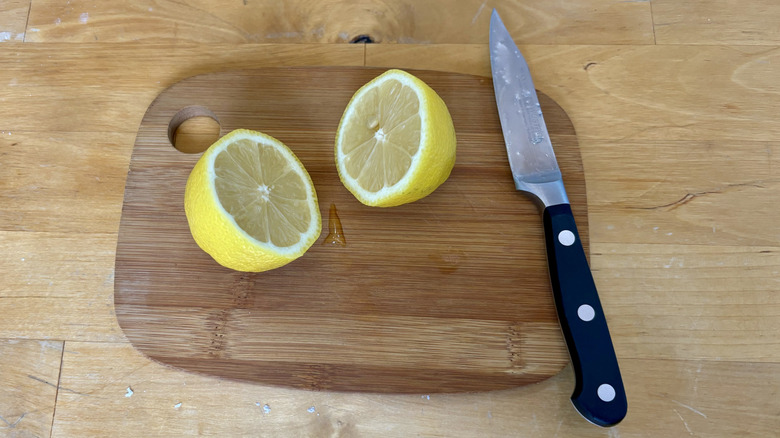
[[676, 107]]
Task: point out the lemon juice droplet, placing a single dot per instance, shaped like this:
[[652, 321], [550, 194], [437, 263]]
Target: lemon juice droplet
[[450, 260], [335, 230]]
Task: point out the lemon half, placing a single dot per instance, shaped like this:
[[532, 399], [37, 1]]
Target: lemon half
[[251, 204], [396, 142]]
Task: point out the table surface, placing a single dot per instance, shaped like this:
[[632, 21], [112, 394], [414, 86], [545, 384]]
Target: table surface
[[675, 105]]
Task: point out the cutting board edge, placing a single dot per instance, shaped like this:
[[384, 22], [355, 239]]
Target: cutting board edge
[[431, 388]]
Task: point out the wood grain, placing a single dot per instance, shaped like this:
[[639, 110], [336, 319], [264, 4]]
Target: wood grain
[[684, 398], [716, 22], [30, 372], [714, 200], [614, 98], [13, 20], [57, 286], [107, 87], [75, 185], [333, 21], [447, 294], [688, 304]]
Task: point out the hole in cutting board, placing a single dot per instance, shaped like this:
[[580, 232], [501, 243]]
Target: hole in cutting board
[[193, 129]]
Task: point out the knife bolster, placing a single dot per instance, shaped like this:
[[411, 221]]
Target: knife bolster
[[545, 194]]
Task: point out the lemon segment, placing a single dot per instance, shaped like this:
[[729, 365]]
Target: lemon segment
[[251, 204], [396, 142]]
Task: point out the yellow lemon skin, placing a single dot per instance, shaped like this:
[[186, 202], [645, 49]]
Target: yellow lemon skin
[[217, 233], [433, 162]]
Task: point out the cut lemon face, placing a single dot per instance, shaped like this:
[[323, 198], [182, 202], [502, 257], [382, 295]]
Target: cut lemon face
[[395, 143], [250, 203]]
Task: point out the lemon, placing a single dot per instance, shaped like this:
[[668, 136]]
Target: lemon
[[395, 143], [250, 203]]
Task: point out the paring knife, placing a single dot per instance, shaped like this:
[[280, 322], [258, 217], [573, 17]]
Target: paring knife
[[598, 393]]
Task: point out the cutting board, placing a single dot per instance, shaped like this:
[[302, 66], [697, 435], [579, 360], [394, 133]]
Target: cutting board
[[447, 294]]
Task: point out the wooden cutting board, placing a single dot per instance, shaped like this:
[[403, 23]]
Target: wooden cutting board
[[447, 294]]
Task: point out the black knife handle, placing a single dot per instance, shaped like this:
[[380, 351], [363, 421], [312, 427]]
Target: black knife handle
[[598, 392]]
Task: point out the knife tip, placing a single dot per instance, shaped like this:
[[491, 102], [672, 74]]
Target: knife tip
[[495, 20]]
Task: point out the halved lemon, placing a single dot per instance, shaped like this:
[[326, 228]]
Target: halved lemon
[[396, 142], [251, 204]]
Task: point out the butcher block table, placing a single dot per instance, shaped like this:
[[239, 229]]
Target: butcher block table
[[675, 107]]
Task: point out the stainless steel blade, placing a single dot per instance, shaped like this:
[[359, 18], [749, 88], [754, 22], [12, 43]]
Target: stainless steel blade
[[531, 156]]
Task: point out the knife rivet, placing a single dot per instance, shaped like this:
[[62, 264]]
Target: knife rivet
[[566, 238], [586, 312], [606, 392]]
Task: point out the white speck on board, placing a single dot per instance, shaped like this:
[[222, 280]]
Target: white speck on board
[[5, 36], [57, 21], [311, 410], [129, 392], [266, 409], [84, 17], [177, 405]]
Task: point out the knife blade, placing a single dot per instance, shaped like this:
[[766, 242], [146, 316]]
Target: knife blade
[[598, 394]]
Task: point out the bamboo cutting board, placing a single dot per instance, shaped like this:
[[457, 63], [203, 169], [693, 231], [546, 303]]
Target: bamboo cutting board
[[447, 294]]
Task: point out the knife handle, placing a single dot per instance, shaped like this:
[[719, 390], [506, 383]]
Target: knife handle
[[598, 392]]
